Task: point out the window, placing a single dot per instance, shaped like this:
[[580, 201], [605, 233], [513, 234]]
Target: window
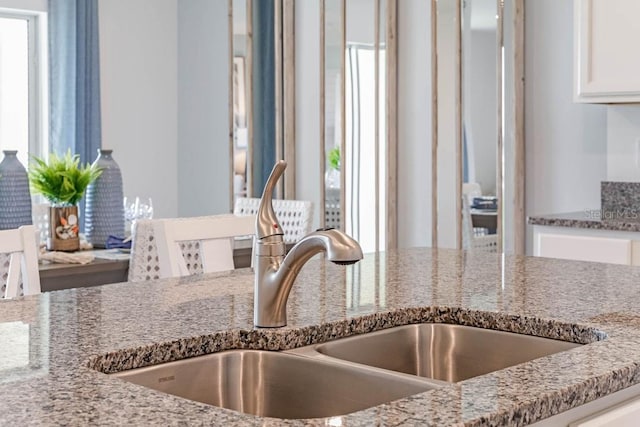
[[23, 83], [361, 132]]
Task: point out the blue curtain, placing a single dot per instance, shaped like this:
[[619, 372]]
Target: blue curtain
[[74, 70], [264, 143], [74, 80]]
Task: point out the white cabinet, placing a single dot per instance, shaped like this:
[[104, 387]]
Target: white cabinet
[[606, 60], [614, 247], [626, 414], [620, 409]]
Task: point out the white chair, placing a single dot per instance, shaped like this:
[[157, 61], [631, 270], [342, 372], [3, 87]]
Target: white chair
[[294, 215], [146, 261], [471, 190], [332, 208], [472, 240], [21, 245], [215, 235]]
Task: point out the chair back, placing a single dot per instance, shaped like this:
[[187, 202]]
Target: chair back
[[294, 215], [20, 245], [183, 246], [471, 190], [472, 240]]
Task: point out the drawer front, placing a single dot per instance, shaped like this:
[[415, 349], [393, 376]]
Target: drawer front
[[582, 248]]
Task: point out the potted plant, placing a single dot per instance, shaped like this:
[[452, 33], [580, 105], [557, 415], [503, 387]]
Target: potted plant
[[334, 158], [62, 181], [332, 175]]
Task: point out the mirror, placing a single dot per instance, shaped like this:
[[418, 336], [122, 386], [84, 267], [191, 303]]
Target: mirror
[[331, 106], [479, 139], [364, 147], [240, 96], [449, 148], [481, 86], [185, 163], [356, 138], [263, 41], [354, 118], [264, 102]]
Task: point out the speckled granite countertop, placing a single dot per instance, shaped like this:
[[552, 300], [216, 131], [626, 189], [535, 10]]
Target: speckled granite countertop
[[53, 338], [595, 219]]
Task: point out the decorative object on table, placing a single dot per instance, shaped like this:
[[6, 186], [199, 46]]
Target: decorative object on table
[[67, 258], [485, 203], [62, 181], [135, 209], [332, 175], [104, 211], [115, 242], [15, 198]]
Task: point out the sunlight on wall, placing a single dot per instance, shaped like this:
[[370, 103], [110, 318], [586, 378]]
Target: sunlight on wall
[[14, 87]]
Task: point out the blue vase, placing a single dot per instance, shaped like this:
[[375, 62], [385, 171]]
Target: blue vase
[[104, 209], [15, 198]]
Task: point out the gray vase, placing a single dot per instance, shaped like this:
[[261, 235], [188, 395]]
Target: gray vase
[[104, 209], [15, 198]]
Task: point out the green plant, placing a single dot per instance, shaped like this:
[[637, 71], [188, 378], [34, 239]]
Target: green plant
[[334, 158], [62, 180]]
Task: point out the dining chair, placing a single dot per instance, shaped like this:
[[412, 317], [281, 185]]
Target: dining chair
[[184, 246], [332, 208], [472, 240], [471, 190], [20, 246], [294, 215]]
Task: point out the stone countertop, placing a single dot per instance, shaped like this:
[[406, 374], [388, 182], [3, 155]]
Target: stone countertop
[[51, 342], [594, 219]]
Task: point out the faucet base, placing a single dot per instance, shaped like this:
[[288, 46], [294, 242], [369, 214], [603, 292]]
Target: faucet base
[[269, 323]]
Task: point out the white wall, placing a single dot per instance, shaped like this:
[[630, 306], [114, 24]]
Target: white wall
[[360, 21], [447, 214], [480, 107], [623, 143], [414, 123], [414, 130], [203, 108], [307, 105], [566, 150], [138, 65], [39, 5]]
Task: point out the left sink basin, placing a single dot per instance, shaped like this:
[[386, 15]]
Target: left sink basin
[[274, 384]]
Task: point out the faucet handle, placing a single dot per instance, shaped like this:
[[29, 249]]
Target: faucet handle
[[266, 221]]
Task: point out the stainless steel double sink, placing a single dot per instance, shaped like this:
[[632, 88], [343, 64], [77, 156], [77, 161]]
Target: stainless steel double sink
[[346, 375]]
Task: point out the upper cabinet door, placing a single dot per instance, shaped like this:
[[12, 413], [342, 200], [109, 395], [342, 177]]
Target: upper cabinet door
[[607, 63]]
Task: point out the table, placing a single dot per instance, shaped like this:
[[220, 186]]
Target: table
[[105, 268], [109, 266]]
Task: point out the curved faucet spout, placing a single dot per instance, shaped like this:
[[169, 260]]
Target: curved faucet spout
[[275, 276], [267, 223], [275, 273]]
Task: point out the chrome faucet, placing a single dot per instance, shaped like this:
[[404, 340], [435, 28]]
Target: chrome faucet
[[275, 272]]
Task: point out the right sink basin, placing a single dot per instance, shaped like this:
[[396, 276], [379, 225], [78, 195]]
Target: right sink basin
[[442, 351]]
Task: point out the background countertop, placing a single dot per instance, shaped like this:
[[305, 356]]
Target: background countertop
[[594, 219], [53, 342]]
